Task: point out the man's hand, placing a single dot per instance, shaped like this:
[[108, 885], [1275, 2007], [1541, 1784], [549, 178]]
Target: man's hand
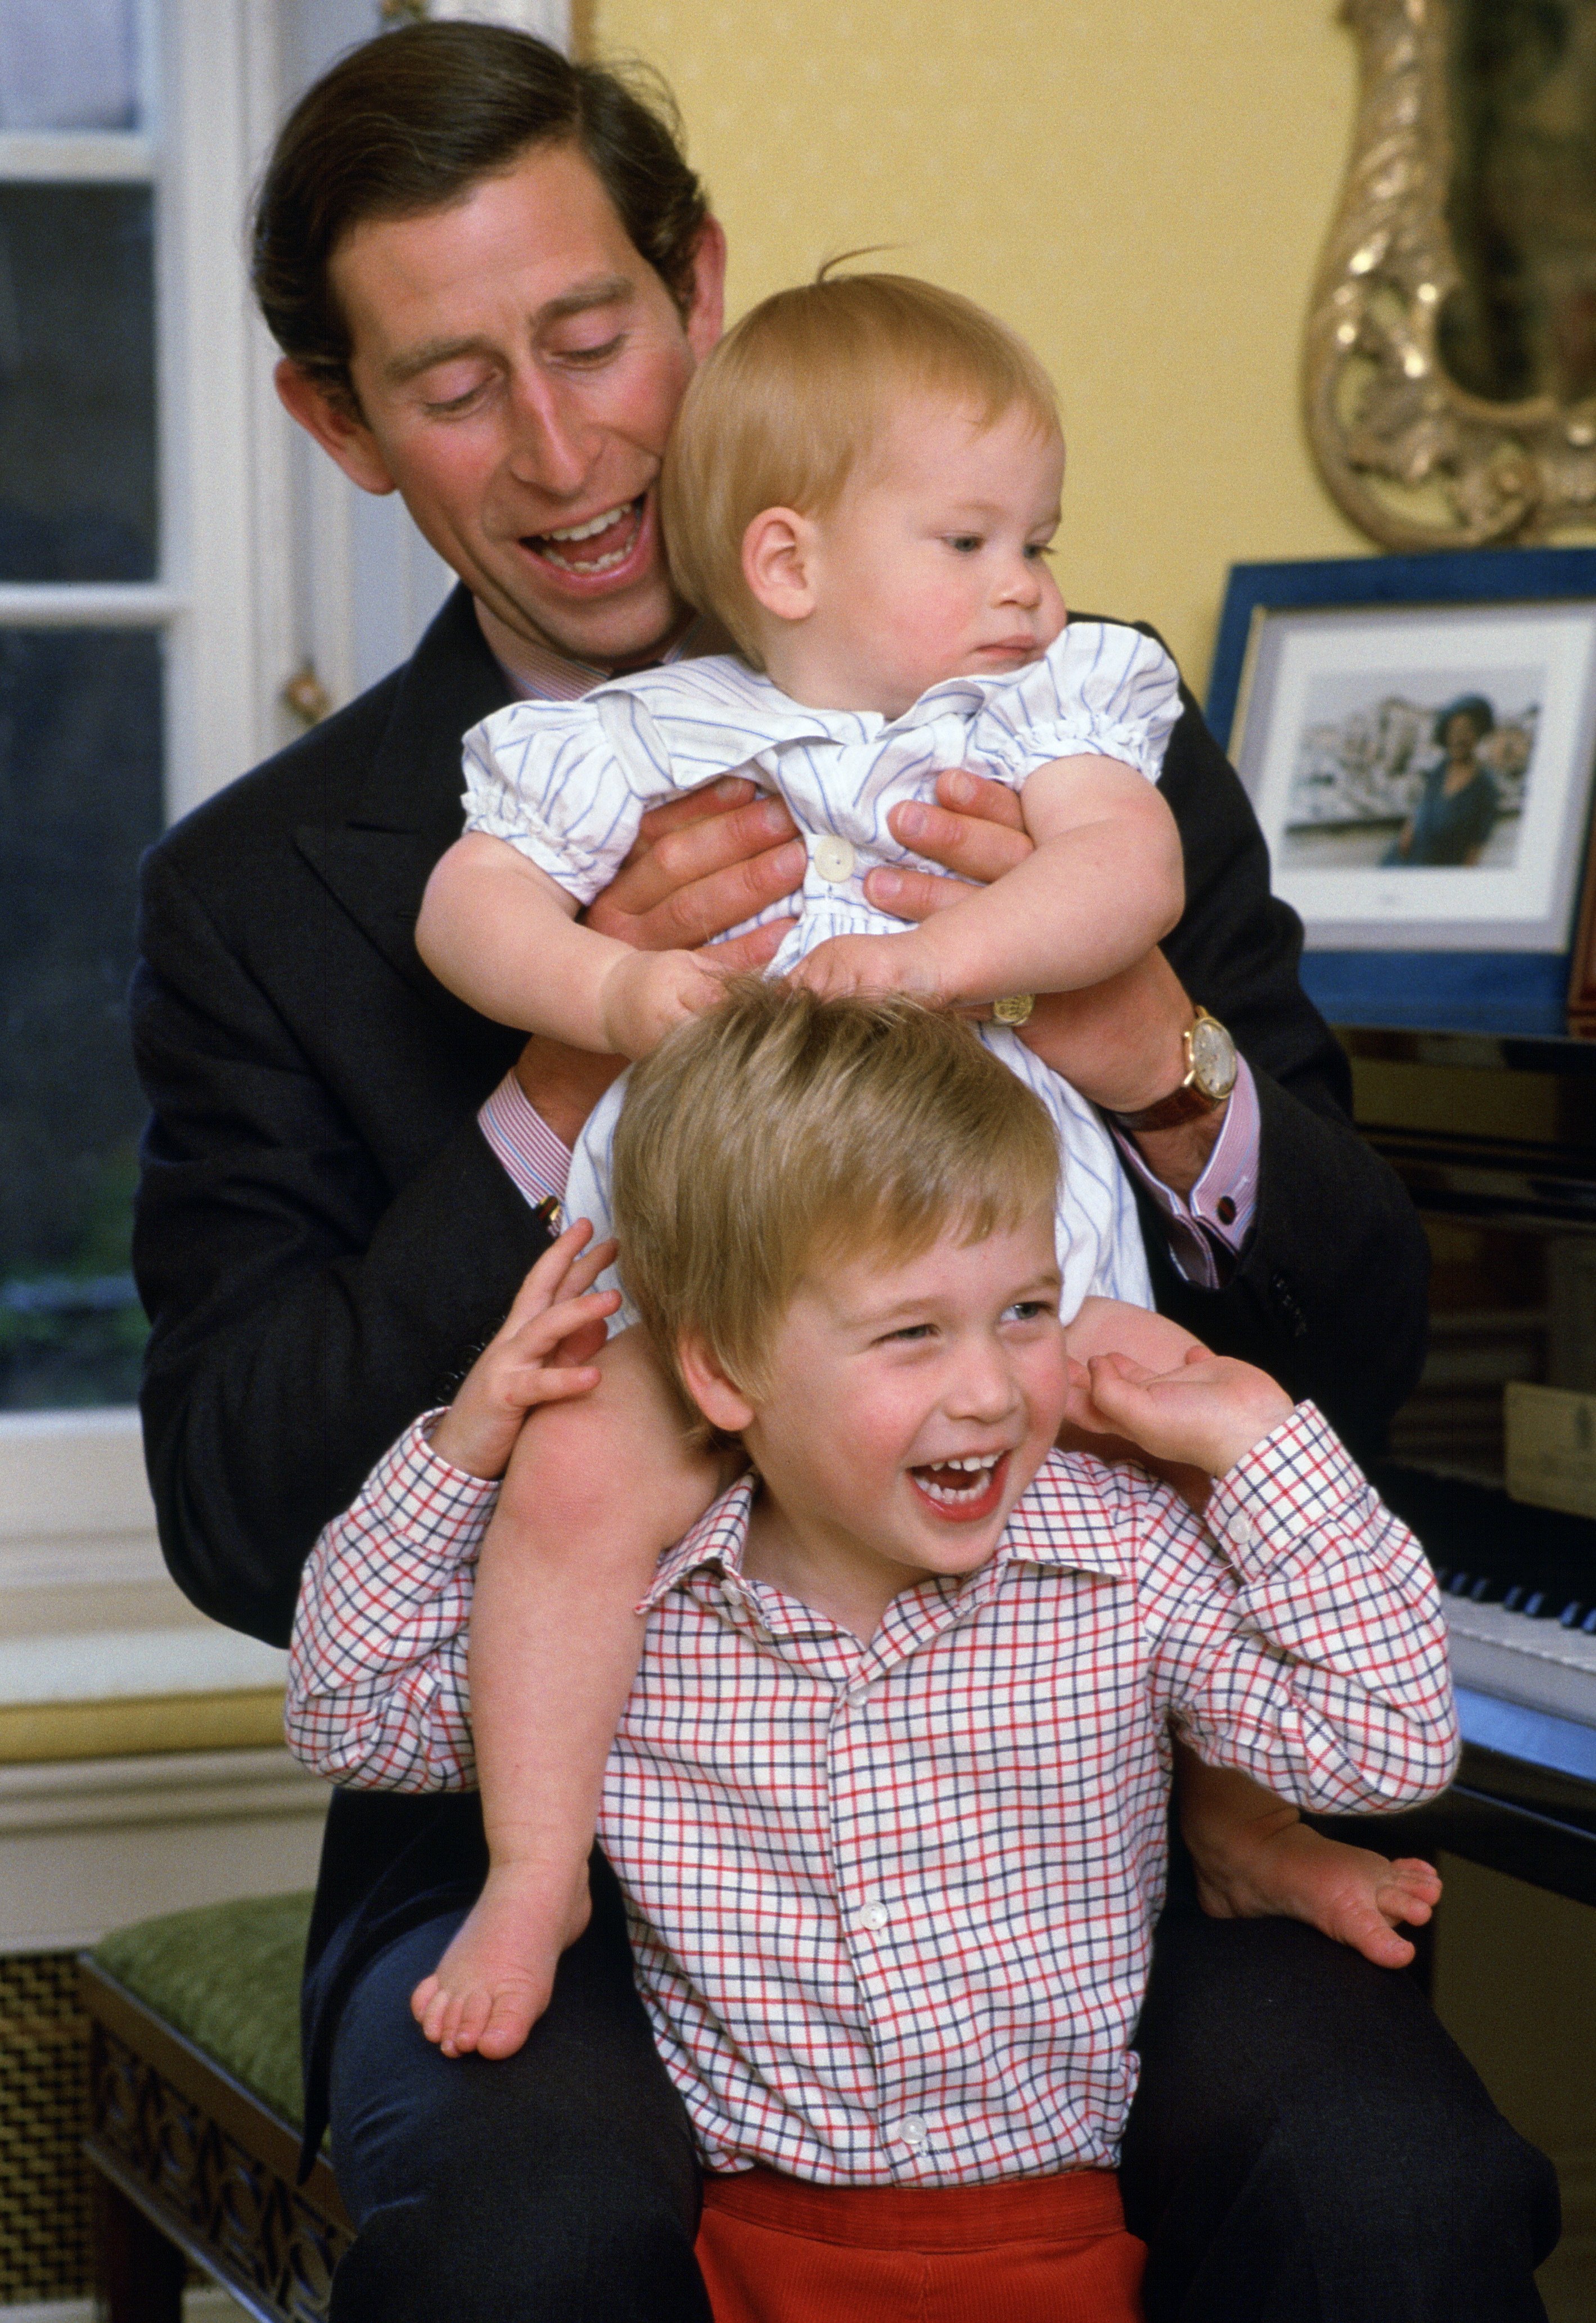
[[1119, 1044], [699, 864]]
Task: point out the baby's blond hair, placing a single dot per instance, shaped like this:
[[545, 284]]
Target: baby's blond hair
[[795, 397], [782, 1132]]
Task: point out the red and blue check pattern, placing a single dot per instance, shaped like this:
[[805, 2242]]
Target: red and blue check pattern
[[892, 1904]]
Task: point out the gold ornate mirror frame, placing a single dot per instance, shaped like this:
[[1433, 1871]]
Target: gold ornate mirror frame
[[1411, 455]]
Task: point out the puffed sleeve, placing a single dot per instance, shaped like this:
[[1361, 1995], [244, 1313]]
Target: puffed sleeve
[[567, 783], [1099, 691]]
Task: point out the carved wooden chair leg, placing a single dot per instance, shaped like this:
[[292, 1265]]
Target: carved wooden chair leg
[[139, 2275]]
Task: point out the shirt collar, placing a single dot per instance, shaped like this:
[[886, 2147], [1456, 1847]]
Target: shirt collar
[[717, 1538], [542, 675], [1068, 1519]]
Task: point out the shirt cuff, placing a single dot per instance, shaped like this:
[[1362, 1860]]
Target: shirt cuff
[[1208, 1227], [521, 1141], [424, 1499]]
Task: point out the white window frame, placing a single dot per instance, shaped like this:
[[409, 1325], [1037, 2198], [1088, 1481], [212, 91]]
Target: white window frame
[[222, 600], [268, 556]]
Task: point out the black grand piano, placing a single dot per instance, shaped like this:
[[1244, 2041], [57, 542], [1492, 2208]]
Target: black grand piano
[[1495, 1139]]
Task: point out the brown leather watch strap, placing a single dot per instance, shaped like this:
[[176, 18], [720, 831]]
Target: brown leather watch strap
[[1187, 1103]]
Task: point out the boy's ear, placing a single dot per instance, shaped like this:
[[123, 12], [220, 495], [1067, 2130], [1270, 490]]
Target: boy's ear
[[778, 563], [721, 1402]]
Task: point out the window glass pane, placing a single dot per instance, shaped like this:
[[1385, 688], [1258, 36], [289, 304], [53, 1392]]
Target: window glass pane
[[80, 793], [69, 64], [77, 475]]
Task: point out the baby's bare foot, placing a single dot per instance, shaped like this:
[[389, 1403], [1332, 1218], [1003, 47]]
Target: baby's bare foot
[[1349, 1893], [493, 1983]]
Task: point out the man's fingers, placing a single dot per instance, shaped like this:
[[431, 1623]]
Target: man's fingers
[[975, 849], [910, 894], [694, 852], [976, 794], [694, 914], [694, 806]]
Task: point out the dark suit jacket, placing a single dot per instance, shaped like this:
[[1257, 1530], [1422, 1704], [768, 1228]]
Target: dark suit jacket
[[324, 1241]]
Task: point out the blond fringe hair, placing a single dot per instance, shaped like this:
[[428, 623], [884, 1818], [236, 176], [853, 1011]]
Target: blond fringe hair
[[795, 397], [781, 1132]]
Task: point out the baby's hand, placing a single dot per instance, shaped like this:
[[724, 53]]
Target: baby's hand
[[1206, 1412], [543, 1354], [846, 964], [647, 993]]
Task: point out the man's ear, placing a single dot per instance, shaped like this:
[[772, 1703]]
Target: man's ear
[[341, 433], [706, 314], [721, 1402], [778, 563]]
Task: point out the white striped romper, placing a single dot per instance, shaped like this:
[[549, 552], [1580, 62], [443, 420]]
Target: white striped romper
[[567, 783]]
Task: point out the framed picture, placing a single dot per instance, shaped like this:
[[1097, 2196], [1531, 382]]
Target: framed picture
[[1417, 735]]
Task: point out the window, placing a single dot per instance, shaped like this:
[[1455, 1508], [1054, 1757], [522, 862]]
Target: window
[[170, 556]]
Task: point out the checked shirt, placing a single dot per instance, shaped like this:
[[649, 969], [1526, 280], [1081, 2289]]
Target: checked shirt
[[891, 1905]]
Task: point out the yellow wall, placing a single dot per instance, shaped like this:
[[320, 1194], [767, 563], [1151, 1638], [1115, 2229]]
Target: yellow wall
[[1140, 187]]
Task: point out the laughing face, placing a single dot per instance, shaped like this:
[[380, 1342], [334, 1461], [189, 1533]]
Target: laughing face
[[908, 1407], [517, 365]]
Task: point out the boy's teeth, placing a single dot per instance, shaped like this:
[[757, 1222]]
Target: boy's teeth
[[959, 1479]]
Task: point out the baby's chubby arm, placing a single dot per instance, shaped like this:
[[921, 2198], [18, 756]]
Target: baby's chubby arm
[[1102, 886], [503, 936]]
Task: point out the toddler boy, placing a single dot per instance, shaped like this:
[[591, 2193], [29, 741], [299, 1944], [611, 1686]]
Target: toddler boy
[[888, 1800]]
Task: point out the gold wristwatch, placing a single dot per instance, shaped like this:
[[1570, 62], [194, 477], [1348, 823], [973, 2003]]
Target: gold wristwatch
[[1210, 1076]]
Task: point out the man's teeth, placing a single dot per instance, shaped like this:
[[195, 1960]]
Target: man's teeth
[[572, 533], [594, 525]]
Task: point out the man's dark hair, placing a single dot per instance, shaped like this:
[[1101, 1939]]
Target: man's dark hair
[[409, 121]]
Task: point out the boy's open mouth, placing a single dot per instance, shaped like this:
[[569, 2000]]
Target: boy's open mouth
[[964, 1489], [599, 546]]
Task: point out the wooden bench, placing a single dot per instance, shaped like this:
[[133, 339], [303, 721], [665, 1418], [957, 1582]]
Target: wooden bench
[[194, 2116]]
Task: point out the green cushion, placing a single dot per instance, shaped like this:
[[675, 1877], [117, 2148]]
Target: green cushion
[[226, 1976]]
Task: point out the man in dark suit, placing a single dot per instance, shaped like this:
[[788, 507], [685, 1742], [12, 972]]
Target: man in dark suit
[[492, 274]]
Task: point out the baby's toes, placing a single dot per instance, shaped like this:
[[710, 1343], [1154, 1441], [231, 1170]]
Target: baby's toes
[[435, 2020], [1412, 1893], [1367, 1930], [470, 2018], [421, 2000], [449, 2024], [516, 2009]]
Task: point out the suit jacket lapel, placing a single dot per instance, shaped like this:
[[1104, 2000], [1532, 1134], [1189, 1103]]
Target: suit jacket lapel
[[408, 810]]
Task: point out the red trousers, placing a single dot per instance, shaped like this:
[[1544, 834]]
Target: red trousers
[[1030, 2250]]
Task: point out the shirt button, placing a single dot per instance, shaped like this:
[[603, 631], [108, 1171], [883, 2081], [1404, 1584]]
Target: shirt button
[[1241, 1532], [875, 1915], [914, 2133], [833, 860]]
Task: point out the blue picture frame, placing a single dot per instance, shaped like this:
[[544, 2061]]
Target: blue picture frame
[[1503, 992]]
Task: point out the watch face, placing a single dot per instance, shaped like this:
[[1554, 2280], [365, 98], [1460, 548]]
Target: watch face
[[1213, 1058]]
